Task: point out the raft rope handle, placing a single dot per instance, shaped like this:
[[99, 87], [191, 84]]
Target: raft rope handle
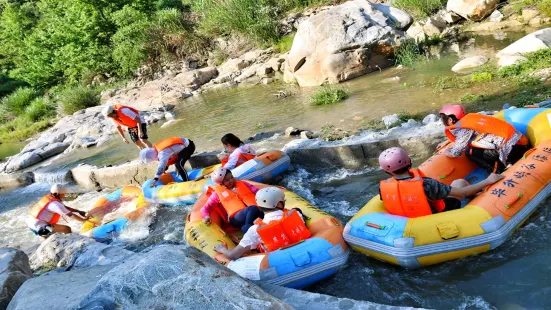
[[530, 151], [373, 225], [519, 196]]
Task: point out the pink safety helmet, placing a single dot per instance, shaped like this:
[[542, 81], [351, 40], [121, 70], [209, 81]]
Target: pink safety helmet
[[454, 109], [218, 175], [393, 159]]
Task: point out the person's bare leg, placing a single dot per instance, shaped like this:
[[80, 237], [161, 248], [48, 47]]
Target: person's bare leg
[[140, 145], [146, 143], [61, 229]]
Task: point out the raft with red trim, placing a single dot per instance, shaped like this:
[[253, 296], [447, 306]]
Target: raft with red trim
[[482, 224], [296, 266], [102, 224], [170, 190]]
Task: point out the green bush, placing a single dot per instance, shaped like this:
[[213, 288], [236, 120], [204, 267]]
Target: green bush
[[16, 103], [420, 8], [285, 43], [538, 60], [481, 77], [78, 98], [39, 109], [408, 53], [328, 95], [21, 128], [544, 6]]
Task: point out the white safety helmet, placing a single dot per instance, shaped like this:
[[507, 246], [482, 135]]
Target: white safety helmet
[[218, 175], [148, 155], [107, 110], [269, 197], [58, 189]]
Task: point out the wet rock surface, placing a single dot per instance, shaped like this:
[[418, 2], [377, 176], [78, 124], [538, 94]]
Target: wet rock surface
[[14, 271]]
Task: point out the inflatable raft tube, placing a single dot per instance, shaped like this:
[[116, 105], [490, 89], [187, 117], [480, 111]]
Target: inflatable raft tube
[[297, 266], [482, 225], [170, 190], [130, 197]]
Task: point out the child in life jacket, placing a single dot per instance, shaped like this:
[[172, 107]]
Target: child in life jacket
[[277, 229], [239, 152], [234, 199], [46, 213], [409, 193], [490, 142]]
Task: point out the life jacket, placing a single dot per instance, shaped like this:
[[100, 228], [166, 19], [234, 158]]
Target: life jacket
[[124, 120], [288, 230], [165, 144], [41, 206], [240, 160], [407, 197], [486, 124], [234, 202]]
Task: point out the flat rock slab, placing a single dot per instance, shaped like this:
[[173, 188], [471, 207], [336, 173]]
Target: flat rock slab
[[63, 290], [302, 300], [14, 271]]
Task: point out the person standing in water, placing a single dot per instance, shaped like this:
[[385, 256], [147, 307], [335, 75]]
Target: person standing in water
[[46, 213], [129, 118], [171, 151]]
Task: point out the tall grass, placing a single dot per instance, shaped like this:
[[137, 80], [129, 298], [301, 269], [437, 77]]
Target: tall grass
[[409, 53], [420, 8], [285, 43], [328, 94], [78, 98], [16, 103], [538, 60], [21, 128], [39, 109]]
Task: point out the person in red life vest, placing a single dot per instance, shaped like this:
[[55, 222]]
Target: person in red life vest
[[234, 200], [46, 213], [408, 193], [490, 142], [171, 151], [129, 118], [278, 228]]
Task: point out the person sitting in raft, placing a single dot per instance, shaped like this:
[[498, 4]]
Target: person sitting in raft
[[239, 152], [129, 118], [409, 193], [234, 199], [490, 142], [270, 233], [45, 214], [171, 151]]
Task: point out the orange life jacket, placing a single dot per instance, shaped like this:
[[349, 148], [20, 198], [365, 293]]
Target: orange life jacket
[[124, 120], [234, 202], [165, 144], [407, 197], [240, 160], [290, 229], [486, 124], [41, 206]]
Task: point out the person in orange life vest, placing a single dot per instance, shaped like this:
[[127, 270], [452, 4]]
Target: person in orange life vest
[[234, 200], [169, 151], [131, 119], [278, 228], [46, 213], [408, 193], [490, 142], [239, 151]]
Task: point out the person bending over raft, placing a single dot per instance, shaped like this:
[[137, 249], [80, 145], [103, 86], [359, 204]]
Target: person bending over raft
[[48, 211], [490, 142], [131, 119], [169, 151], [239, 152], [408, 193], [278, 228], [236, 198]]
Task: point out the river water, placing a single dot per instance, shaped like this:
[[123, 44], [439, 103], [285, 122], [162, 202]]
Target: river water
[[513, 276]]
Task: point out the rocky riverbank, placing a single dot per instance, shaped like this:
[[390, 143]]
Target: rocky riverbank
[[87, 275]]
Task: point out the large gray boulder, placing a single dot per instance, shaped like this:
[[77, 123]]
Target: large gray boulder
[[469, 63], [531, 43], [14, 270], [75, 251], [177, 277], [344, 42], [17, 179], [475, 10], [62, 290]]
